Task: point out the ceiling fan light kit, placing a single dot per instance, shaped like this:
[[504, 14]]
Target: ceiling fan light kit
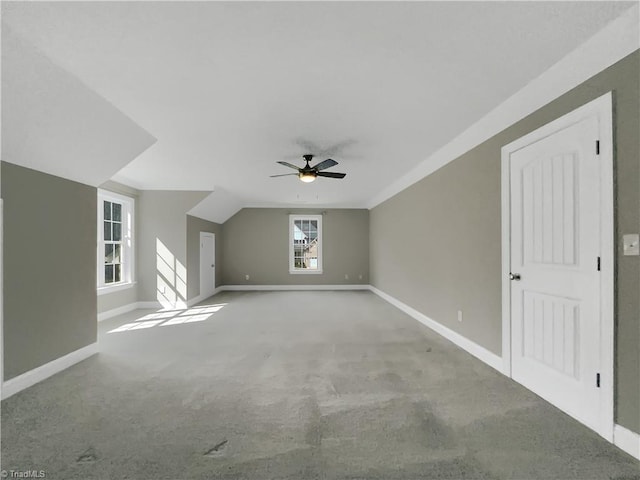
[[308, 174], [307, 177]]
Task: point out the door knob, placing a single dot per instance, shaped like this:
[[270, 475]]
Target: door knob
[[514, 276], [212, 265]]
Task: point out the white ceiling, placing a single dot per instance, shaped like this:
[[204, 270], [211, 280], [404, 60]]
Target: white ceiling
[[227, 89], [53, 123]]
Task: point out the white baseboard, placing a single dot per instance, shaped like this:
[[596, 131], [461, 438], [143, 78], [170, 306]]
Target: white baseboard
[[117, 311], [234, 288], [149, 305], [626, 440], [27, 379], [197, 299], [178, 305], [135, 306], [200, 298], [473, 348]]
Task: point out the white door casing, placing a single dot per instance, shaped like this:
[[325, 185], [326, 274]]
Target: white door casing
[[207, 264], [557, 222]]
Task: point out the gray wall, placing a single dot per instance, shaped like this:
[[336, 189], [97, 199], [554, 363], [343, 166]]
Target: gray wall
[[196, 225], [50, 235], [113, 300], [162, 216], [255, 242], [436, 245]]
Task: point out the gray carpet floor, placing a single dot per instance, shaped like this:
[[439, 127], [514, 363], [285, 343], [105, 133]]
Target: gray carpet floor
[[292, 385]]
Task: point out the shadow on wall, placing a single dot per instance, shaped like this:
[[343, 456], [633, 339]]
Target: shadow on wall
[[171, 278]]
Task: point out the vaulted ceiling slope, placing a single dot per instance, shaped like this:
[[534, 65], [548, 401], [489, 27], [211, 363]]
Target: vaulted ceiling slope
[[54, 123], [229, 88]]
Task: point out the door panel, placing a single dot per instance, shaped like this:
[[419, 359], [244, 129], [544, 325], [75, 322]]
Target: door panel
[[549, 208], [555, 309], [207, 264], [551, 329]]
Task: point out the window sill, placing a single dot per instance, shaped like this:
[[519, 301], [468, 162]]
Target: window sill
[[305, 272], [116, 288]]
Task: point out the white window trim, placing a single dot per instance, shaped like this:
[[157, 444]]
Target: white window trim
[[301, 271], [128, 238]]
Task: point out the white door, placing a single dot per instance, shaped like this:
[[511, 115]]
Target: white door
[[207, 264], [555, 284]]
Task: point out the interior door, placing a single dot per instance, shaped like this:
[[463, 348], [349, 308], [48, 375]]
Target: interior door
[[207, 264], [555, 287]]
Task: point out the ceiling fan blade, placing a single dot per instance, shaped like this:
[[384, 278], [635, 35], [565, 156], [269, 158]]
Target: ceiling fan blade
[[287, 164], [331, 174], [326, 164], [283, 175]]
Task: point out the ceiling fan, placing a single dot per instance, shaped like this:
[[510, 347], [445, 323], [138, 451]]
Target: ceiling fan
[[308, 174]]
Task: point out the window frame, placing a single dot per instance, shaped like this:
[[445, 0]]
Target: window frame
[[127, 251], [304, 271]]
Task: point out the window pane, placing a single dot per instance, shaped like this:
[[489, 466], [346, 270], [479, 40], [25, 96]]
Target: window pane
[[108, 253], [297, 231], [116, 253], [117, 212], [313, 230], [107, 230], [116, 270], [107, 210], [108, 274], [117, 232]]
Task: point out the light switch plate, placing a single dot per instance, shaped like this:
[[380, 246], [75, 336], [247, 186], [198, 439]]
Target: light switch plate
[[631, 244]]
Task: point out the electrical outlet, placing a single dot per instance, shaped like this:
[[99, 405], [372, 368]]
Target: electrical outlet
[[246, 277], [631, 244], [360, 277], [459, 315], [346, 276]]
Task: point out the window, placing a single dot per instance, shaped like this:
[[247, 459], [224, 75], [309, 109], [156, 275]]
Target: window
[[115, 241], [305, 244]]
